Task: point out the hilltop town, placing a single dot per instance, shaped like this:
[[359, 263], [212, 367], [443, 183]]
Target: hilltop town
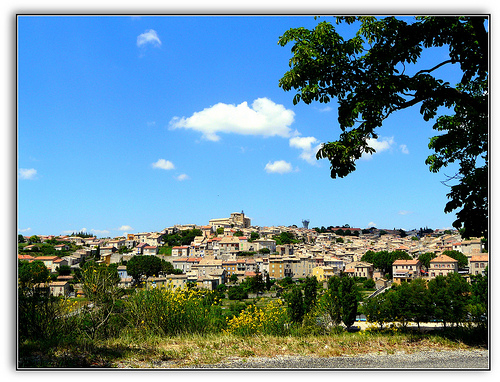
[[231, 248]]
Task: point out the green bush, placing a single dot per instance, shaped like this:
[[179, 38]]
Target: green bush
[[168, 311]]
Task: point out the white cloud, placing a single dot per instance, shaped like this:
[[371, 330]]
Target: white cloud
[[163, 164], [306, 145], [148, 37], [182, 177], [263, 117], [325, 109], [404, 149], [100, 231], [125, 228], [25, 230], [402, 212], [27, 173], [371, 224], [280, 167], [379, 145]]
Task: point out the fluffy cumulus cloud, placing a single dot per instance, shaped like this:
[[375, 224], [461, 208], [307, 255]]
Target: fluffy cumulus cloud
[[27, 173], [148, 37], [309, 147], [263, 117], [163, 164], [279, 167], [379, 145], [100, 232], [25, 229], [371, 224], [404, 149], [182, 177], [125, 228]]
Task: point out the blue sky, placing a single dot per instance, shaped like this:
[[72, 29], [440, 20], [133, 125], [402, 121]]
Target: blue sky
[[132, 124]]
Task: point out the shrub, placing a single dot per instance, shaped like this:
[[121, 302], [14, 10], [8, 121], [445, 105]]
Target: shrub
[[169, 311], [237, 293], [272, 320]]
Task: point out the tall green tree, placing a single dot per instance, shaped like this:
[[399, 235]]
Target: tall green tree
[[310, 293], [348, 300], [419, 301], [439, 301], [378, 72], [331, 300], [296, 305], [381, 308], [100, 286], [38, 312], [144, 265]]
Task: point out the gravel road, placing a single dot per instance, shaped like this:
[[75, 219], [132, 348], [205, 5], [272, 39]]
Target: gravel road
[[428, 360]]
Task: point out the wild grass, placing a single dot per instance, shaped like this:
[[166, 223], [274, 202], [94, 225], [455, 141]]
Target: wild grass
[[180, 328], [141, 350]]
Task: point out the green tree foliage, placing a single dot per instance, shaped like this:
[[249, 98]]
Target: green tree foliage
[[425, 258], [254, 284], [31, 274], [310, 293], [383, 259], [238, 233], [463, 262], [295, 305], [253, 236], [341, 300], [38, 312], [448, 297], [184, 237], [21, 239], [478, 303], [100, 286], [64, 270], [369, 284], [145, 266], [268, 281], [372, 75], [348, 300], [419, 302], [285, 238], [83, 234], [233, 278], [381, 308], [237, 292], [34, 239], [331, 300]]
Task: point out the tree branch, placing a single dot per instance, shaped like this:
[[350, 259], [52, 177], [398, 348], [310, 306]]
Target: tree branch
[[434, 68]]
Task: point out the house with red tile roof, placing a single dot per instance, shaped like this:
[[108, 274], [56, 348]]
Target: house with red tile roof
[[478, 264], [406, 270], [442, 265]]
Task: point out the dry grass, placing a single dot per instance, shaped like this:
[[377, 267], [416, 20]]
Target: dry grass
[[211, 349]]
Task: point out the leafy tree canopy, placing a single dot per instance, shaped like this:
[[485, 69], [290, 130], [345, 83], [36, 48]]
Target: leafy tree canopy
[[184, 237], [383, 260], [373, 74], [459, 256], [285, 238], [144, 265]]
